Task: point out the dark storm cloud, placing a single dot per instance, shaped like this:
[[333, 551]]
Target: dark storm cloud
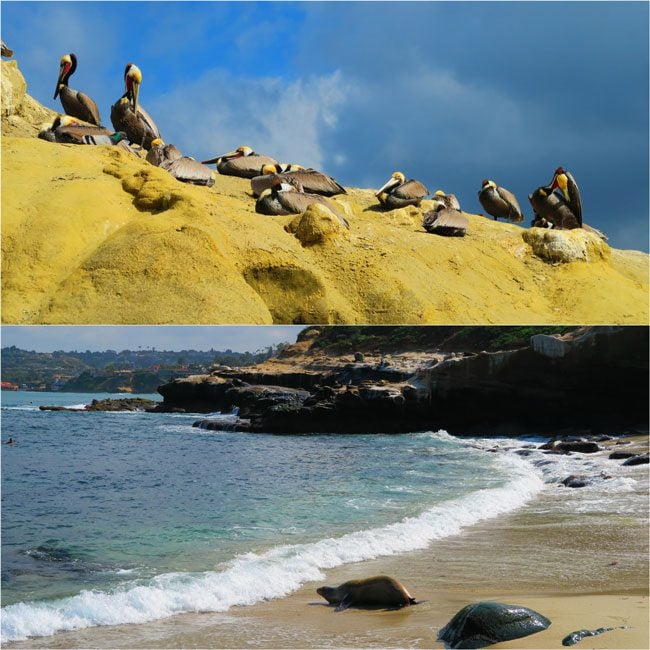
[[452, 93]]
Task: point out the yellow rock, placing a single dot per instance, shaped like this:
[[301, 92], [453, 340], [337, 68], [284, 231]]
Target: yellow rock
[[95, 235], [566, 245]]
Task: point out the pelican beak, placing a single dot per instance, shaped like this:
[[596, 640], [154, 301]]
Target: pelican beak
[[62, 72], [212, 160], [135, 91], [232, 154], [391, 182]]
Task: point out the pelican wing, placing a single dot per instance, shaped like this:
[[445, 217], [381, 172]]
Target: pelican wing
[[446, 222], [188, 170], [244, 166], [574, 197], [410, 190], [265, 181], [75, 133], [315, 182], [514, 211], [90, 108]]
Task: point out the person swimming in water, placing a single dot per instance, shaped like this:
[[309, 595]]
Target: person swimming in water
[[11, 441]]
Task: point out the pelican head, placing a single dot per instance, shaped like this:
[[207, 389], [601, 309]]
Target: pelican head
[[67, 66], [237, 153], [396, 179], [439, 193], [157, 142], [560, 180], [270, 169], [67, 120], [132, 81], [487, 183]]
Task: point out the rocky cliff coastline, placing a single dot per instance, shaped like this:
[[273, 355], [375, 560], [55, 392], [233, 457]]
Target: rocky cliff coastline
[[592, 379]]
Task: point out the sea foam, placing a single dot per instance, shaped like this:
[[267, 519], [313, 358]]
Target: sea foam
[[251, 577]]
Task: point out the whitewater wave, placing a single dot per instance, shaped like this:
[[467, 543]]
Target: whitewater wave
[[252, 577]]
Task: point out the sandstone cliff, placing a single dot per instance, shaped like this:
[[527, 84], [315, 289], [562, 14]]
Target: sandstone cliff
[[93, 235]]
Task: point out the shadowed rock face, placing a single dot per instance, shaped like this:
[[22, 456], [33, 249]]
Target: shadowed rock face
[[598, 381]]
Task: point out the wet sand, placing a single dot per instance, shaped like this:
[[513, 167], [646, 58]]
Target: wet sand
[[586, 570]]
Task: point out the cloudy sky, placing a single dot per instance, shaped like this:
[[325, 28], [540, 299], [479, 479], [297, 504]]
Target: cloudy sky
[[132, 337], [447, 92]]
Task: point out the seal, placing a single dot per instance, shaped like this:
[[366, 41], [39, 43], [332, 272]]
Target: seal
[[378, 591]]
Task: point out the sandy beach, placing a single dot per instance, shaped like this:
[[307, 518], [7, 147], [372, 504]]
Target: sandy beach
[[581, 572]]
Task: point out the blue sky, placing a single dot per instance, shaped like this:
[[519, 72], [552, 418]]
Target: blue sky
[[447, 92], [49, 338]]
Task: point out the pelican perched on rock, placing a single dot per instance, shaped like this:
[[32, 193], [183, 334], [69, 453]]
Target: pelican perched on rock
[[283, 198], [243, 162], [184, 168], [128, 116], [569, 188], [448, 200], [67, 130], [397, 192], [499, 202], [74, 102], [305, 180], [551, 208], [442, 220]]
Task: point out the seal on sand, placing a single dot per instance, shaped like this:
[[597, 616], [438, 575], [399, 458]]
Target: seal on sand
[[378, 591]]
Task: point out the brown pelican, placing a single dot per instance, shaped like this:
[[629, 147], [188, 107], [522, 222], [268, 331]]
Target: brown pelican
[[305, 180], [243, 162], [128, 116], [448, 200], [397, 192], [74, 102], [569, 188], [6, 52], [499, 202], [67, 130], [283, 198], [185, 169], [548, 206], [448, 222]]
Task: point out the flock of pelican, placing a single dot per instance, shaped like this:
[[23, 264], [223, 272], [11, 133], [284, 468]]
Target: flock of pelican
[[282, 189]]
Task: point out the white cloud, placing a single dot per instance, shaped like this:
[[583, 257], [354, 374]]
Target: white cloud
[[284, 119]]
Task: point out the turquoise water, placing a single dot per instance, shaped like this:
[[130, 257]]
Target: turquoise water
[[127, 517]]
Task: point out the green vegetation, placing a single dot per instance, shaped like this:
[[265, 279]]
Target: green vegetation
[[393, 338]]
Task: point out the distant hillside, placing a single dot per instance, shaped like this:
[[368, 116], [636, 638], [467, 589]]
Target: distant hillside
[[389, 339], [97, 371]]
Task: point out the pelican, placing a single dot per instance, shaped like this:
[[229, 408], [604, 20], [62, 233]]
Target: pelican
[[305, 180], [6, 51], [181, 167], [548, 206], [74, 102], [128, 116], [448, 200], [283, 198], [243, 162], [445, 221], [499, 202], [397, 192], [67, 130], [569, 188]]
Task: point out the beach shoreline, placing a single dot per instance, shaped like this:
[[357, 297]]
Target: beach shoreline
[[583, 571]]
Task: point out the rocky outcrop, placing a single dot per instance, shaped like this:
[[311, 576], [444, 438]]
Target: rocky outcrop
[[126, 404], [598, 382], [140, 247]]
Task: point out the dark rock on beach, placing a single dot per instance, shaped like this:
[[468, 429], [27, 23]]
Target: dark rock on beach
[[618, 455], [482, 624], [575, 481], [641, 459]]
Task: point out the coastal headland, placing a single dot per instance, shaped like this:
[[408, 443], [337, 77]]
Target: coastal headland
[[590, 378], [92, 234]]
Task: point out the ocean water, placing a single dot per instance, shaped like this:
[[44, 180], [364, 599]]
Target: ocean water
[[112, 518]]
